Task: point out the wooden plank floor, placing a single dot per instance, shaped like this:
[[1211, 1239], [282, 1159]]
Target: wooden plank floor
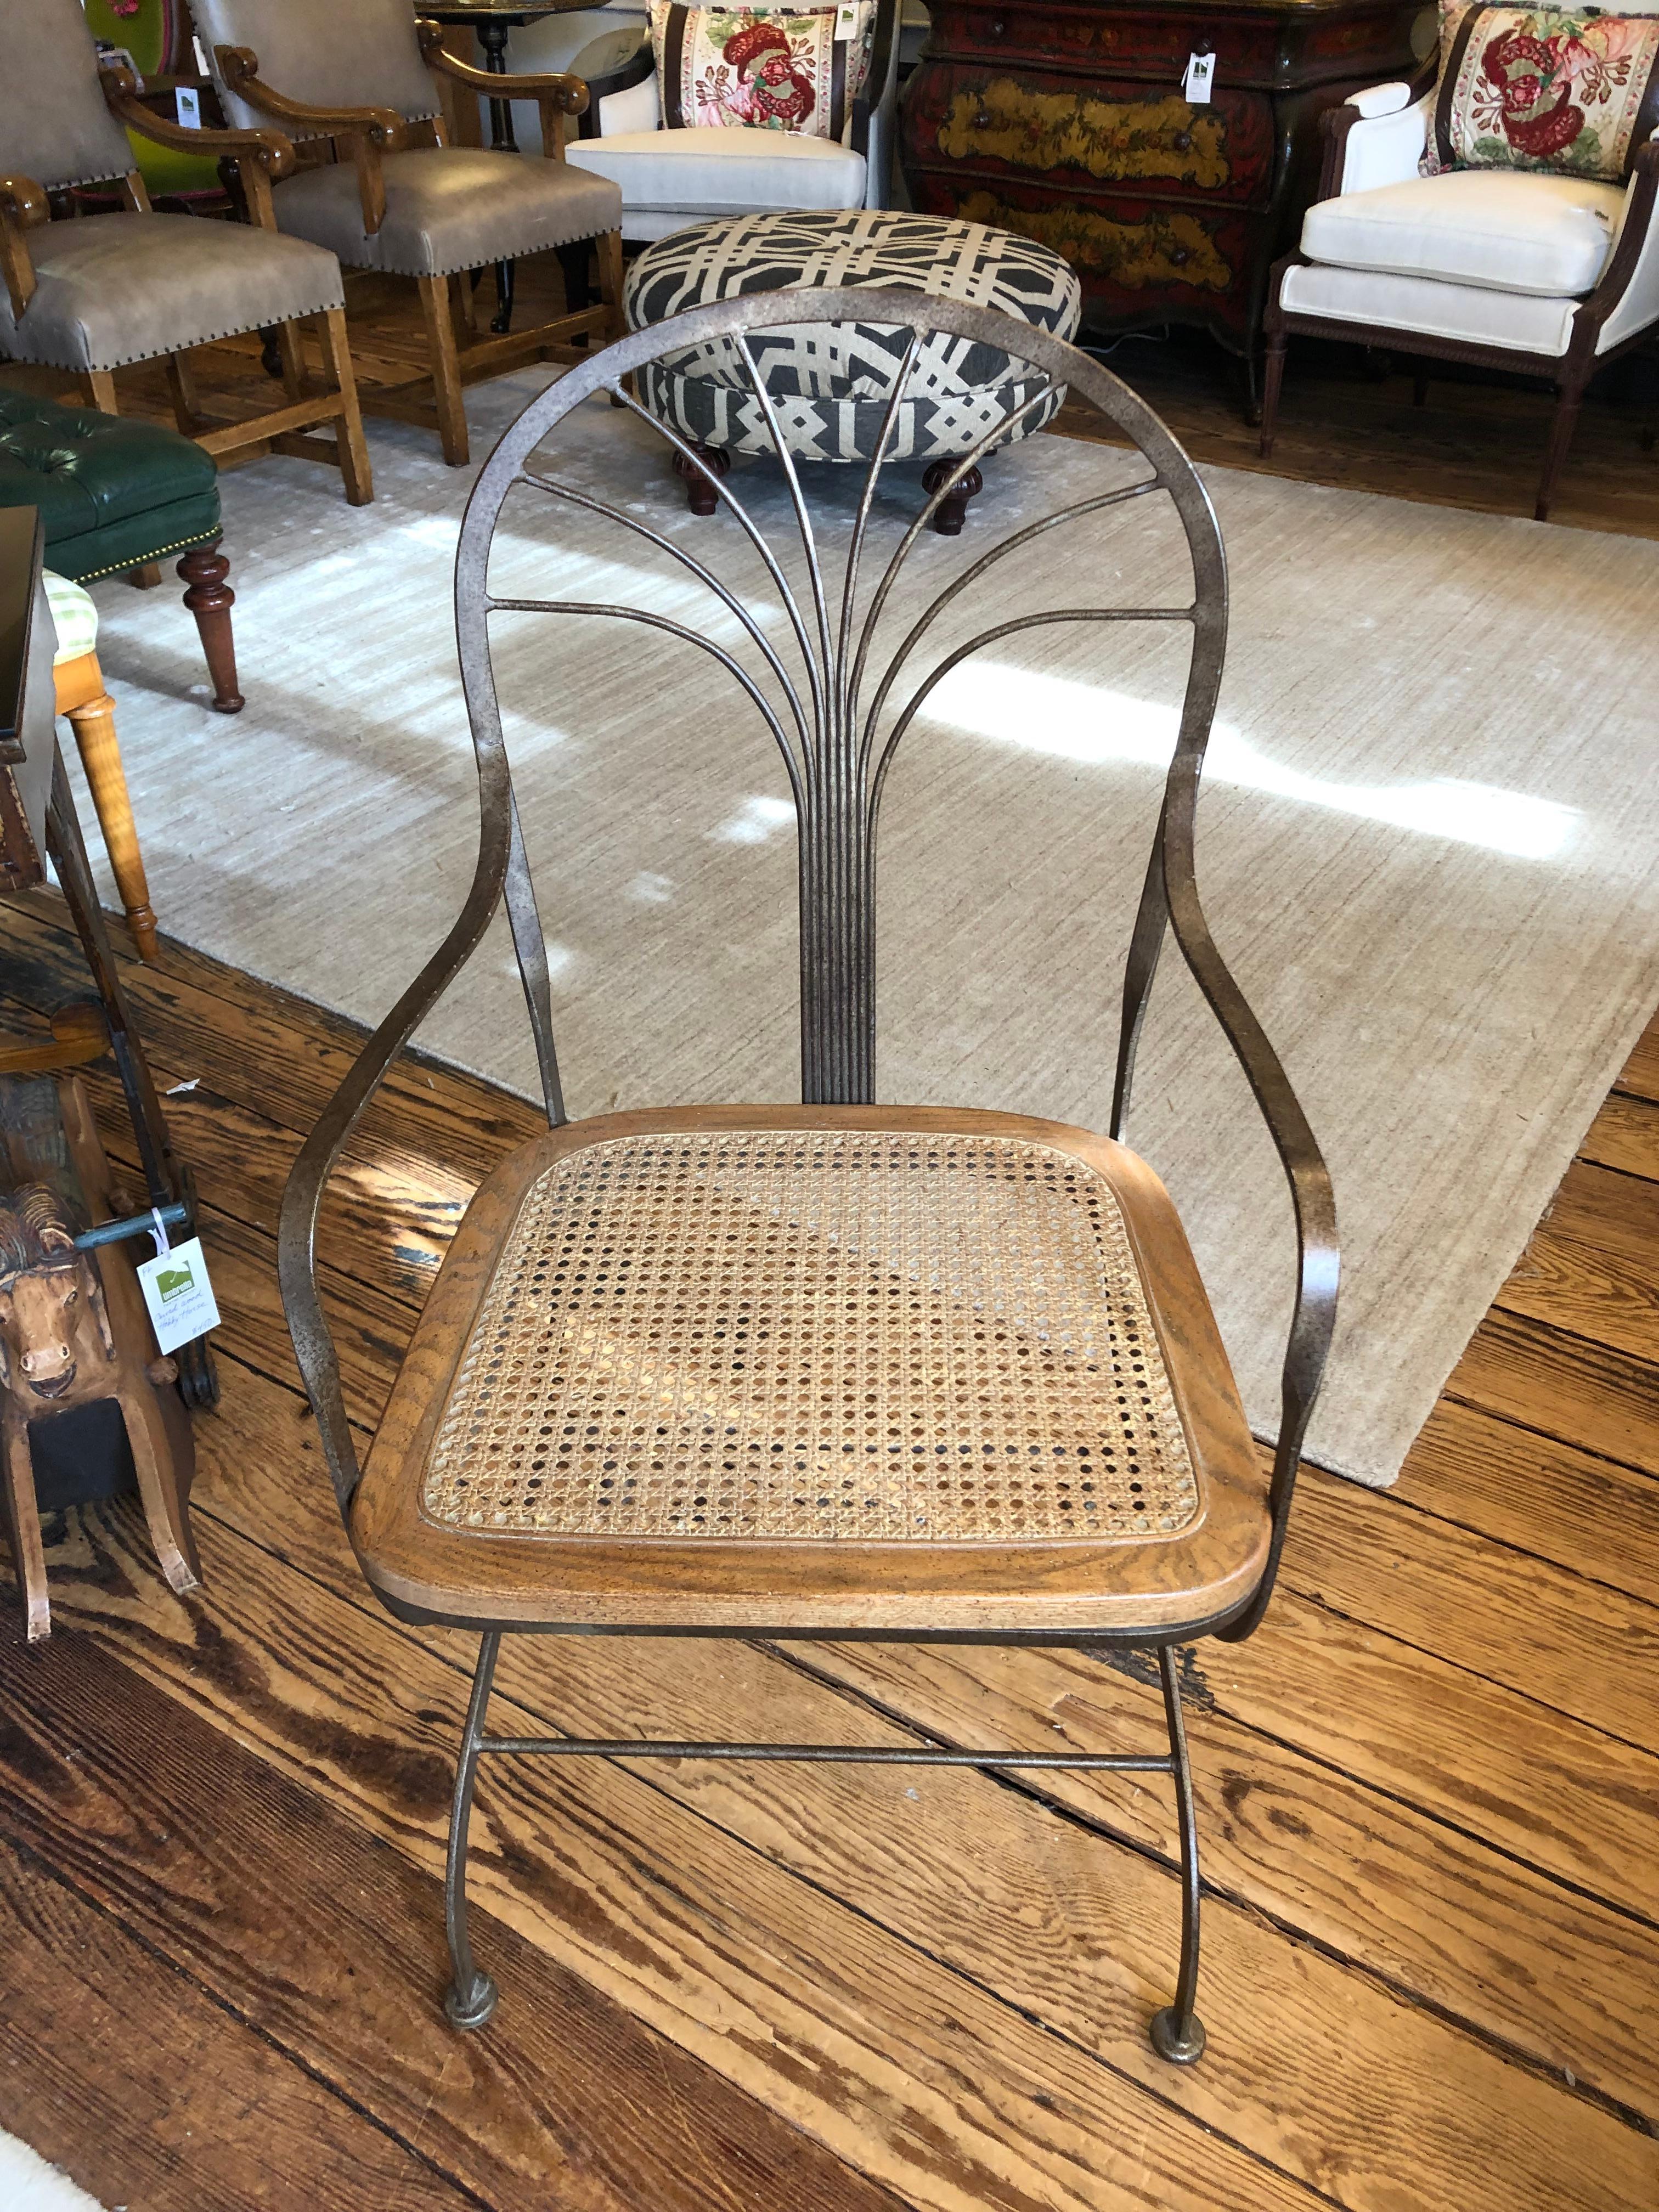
[[1429, 1799]]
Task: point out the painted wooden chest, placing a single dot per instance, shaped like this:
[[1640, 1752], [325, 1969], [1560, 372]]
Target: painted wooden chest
[[1068, 122]]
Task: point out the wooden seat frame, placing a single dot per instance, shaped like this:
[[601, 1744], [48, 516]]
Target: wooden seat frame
[[1152, 1594], [227, 430], [458, 355]]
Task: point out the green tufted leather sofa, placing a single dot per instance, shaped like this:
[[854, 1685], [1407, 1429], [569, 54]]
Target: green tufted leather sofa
[[113, 494]]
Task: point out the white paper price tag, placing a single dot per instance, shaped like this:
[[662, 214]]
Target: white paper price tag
[[190, 106], [178, 1294], [1196, 85], [851, 18]]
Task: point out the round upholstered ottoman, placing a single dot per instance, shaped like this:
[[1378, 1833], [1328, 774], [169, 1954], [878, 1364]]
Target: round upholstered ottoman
[[831, 386]]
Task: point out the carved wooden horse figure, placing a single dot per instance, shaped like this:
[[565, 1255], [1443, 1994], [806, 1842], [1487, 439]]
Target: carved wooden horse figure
[[71, 1333]]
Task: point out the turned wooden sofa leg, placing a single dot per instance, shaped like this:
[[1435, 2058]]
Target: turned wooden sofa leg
[[211, 599], [1278, 344], [1562, 425]]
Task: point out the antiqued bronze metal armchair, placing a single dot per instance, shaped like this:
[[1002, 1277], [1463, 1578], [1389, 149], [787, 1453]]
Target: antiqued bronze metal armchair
[[838, 1369]]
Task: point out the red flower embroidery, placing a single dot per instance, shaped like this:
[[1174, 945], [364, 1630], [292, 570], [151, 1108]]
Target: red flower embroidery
[[780, 92], [1522, 71]]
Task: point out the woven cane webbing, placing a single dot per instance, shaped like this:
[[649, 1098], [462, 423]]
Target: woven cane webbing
[[815, 1333]]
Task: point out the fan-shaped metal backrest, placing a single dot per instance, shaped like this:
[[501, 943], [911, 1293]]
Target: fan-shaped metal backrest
[[836, 710]]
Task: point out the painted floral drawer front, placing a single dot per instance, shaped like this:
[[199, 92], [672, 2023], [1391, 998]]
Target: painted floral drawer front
[[1112, 135], [1166, 247]]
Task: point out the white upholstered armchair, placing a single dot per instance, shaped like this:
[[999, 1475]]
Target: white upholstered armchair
[[1508, 268], [674, 176]]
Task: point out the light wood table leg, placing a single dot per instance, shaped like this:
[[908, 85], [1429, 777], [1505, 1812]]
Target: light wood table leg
[[93, 721]]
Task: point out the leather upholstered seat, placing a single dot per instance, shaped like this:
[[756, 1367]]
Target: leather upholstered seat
[[113, 289], [447, 208]]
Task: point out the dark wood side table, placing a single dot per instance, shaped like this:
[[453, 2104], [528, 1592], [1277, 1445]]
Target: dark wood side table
[[494, 20], [1066, 121]]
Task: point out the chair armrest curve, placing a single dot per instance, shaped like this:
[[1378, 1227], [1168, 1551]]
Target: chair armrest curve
[[23, 206], [239, 66], [570, 93], [270, 148], [303, 1197]]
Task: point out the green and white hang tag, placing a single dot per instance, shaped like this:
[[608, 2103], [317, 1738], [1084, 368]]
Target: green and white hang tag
[[177, 1291], [1199, 83], [852, 18]]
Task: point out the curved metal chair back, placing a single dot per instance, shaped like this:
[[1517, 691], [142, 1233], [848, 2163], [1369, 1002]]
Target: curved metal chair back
[[836, 717]]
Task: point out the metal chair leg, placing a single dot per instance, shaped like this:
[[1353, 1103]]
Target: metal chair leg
[[1177, 2032], [472, 1996]]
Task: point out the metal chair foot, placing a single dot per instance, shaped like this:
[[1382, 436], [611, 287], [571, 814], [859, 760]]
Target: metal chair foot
[[1181, 2046], [475, 2006]]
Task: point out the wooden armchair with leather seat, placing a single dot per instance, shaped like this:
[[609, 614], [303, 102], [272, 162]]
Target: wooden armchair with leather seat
[[89, 294], [396, 198]]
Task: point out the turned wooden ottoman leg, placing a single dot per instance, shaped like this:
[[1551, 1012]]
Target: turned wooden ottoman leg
[[700, 495], [211, 599], [93, 721], [953, 510]]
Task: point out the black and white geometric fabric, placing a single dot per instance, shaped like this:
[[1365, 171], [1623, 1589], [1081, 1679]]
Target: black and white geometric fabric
[[830, 386]]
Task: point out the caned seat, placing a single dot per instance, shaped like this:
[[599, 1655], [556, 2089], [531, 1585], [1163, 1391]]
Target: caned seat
[[822, 1368], [447, 207]]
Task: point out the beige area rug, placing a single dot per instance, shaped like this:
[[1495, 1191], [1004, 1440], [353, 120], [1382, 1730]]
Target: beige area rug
[[1428, 841]]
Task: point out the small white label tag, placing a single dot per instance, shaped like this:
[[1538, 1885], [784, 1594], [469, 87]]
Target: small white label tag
[[851, 17], [178, 1294], [1195, 85], [190, 106]]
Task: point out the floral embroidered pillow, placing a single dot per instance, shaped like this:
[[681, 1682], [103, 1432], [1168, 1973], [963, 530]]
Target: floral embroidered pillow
[[720, 67], [1548, 89]]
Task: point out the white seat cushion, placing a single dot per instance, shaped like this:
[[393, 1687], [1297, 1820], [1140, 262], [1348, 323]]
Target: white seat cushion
[[695, 172], [1504, 230], [1473, 313]]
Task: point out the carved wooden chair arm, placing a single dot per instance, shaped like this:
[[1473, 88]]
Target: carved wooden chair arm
[[557, 95], [239, 66], [570, 91], [371, 132], [23, 204], [267, 151]]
